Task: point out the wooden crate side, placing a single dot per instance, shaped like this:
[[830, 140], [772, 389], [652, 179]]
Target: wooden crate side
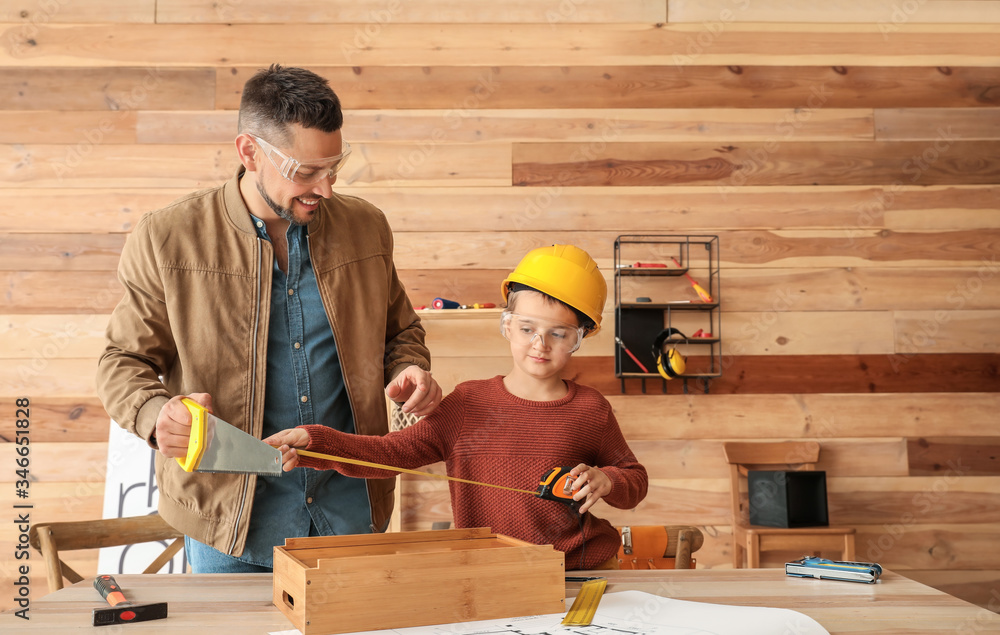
[[429, 587]]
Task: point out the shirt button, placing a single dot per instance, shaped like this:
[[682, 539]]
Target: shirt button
[[260, 224], [297, 345], [309, 501], [291, 292], [303, 399]]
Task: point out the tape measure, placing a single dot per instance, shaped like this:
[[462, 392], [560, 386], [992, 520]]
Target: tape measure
[[585, 605], [556, 484]]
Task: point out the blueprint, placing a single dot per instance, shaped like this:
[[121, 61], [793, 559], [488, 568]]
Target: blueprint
[[634, 613]]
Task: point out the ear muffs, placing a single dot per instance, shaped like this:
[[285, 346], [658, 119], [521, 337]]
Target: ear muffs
[[670, 363]]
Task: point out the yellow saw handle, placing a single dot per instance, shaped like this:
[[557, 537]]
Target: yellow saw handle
[[196, 444]]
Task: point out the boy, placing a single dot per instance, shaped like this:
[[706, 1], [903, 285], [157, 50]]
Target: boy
[[511, 430]]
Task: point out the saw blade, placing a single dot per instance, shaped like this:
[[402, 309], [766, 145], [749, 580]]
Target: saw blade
[[219, 447]]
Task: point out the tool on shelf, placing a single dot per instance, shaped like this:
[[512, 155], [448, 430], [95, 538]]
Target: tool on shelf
[[121, 611], [441, 303], [630, 354], [477, 305], [704, 295]]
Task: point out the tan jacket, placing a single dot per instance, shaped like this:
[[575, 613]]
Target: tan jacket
[[195, 312]]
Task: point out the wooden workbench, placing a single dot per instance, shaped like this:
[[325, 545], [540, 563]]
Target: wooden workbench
[[219, 604]]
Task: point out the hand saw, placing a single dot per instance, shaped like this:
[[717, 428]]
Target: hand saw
[[217, 446]]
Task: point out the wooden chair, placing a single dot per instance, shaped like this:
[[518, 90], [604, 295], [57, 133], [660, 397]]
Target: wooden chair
[[783, 455], [659, 546], [52, 538]]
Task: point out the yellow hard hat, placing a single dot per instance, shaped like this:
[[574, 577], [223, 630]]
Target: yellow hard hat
[[566, 273]]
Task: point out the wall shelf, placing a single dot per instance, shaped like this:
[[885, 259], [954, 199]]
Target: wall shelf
[[656, 296]]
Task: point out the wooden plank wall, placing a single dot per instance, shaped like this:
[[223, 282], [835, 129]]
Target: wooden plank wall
[[848, 156]]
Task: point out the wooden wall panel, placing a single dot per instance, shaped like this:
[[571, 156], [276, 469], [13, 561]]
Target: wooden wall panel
[[907, 124], [379, 12], [772, 163], [529, 45], [888, 15], [975, 457], [113, 90], [455, 250], [33, 13], [647, 84], [859, 241]]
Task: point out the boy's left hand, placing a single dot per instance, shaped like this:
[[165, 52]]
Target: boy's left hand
[[287, 441], [591, 485]]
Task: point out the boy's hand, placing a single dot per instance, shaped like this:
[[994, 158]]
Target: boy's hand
[[591, 485], [417, 390], [287, 441]]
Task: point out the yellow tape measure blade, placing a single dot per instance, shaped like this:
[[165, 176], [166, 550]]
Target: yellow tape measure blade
[[585, 605]]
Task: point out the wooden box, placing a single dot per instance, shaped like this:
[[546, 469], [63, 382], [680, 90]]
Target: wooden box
[[342, 584]]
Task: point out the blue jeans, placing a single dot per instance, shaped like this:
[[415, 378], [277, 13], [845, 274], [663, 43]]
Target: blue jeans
[[205, 559]]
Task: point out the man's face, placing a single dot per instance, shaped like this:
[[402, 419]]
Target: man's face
[[294, 202]]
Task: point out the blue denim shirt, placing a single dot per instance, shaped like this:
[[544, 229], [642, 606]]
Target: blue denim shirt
[[304, 386]]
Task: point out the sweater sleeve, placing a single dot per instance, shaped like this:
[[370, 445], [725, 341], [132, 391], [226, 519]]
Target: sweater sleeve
[[629, 481], [428, 441]]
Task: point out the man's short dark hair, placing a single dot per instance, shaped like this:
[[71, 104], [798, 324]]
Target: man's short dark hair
[[278, 96]]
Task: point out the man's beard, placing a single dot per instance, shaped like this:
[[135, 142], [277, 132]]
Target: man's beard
[[282, 212]]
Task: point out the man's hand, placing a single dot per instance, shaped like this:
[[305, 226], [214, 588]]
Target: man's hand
[[417, 390], [173, 424], [590, 485], [287, 441]]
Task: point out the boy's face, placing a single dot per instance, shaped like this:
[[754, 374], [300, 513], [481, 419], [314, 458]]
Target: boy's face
[[542, 334]]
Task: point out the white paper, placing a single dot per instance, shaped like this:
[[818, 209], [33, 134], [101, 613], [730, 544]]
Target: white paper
[[632, 613]]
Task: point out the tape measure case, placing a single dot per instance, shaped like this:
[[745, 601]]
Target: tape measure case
[[343, 584]]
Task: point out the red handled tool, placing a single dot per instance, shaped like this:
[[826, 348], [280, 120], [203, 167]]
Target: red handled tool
[[122, 611], [704, 295], [630, 354], [478, 305]]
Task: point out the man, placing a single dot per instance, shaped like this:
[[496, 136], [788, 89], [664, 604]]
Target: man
[[274, 302]]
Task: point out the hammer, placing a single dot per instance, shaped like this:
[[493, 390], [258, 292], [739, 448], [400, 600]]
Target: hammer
[[123, 611]]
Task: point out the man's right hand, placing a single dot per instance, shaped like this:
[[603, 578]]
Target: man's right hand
[[173, 425]]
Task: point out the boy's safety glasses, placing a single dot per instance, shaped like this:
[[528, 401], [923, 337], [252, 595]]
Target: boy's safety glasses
[[523, 329], [304, 174]]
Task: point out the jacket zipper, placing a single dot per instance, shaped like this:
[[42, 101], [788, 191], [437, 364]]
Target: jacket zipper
[[253, 386], [330, 317]]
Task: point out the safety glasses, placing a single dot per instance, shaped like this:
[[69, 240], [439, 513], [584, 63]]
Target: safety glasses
[[523, 329], [303, 173]]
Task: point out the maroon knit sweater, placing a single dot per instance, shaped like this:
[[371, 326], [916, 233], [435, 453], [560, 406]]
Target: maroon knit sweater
[[486, 434]]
